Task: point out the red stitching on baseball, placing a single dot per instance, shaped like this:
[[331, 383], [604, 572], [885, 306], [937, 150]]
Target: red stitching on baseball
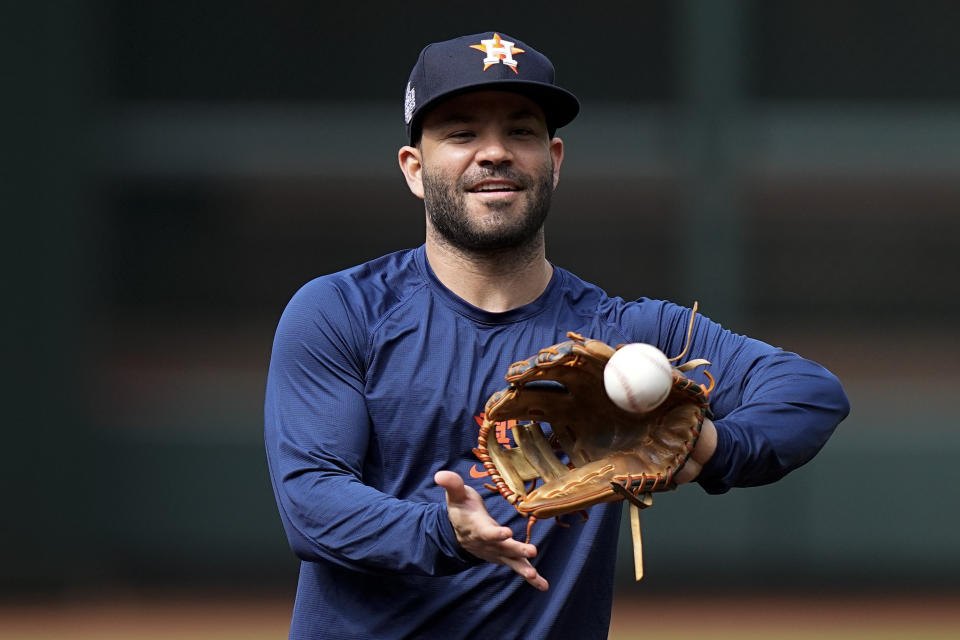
[[631, 398]]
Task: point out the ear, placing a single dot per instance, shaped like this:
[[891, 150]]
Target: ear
[[556, 152], [411, 164]]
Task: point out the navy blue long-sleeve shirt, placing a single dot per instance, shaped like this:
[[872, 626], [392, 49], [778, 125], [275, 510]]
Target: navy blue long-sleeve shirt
[[378, 379]]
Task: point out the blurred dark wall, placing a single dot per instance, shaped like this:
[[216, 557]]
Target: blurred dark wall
[[176, 170]]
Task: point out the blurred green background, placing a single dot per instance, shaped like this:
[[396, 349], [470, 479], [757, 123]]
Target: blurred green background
[[174, 171]]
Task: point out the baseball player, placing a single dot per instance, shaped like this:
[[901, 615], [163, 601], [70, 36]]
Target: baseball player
[[380, 373]]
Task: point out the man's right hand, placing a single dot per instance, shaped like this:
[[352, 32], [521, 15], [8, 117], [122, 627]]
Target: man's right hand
[[481, 535]]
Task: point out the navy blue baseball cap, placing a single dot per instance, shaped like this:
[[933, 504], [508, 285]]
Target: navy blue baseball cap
[[489, 60]]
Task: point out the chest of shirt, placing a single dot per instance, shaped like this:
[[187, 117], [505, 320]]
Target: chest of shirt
[[429, 378]]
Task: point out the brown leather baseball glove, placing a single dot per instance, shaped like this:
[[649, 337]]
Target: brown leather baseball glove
[[596, 452]]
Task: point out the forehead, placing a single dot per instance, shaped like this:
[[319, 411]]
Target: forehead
[[484, 105]]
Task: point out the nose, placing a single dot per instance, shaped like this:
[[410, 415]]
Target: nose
[[493, 150]]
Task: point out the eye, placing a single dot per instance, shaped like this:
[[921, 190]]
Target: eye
[[461, 135], [521, 131]]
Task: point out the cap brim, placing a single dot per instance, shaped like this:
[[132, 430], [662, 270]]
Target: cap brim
[[559, 106]]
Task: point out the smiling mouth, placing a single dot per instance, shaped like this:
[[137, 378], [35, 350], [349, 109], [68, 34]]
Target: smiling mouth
[[494, 187]]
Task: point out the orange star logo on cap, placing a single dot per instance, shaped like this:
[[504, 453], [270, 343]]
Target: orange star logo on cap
[[498, 51]]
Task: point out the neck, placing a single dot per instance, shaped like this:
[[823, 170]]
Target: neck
[[494, 281]]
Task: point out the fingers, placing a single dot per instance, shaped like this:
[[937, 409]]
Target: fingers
[[706, 444], [497, 544], [525, 570], [494, 533], [702, 452], [516, 555], [509, 547], [483, 536], [452, 483], [689, 472]]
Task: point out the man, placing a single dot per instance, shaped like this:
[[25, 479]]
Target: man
[[380, 373]]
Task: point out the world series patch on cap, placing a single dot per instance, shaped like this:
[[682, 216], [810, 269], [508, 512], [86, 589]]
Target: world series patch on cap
[[489, 60]]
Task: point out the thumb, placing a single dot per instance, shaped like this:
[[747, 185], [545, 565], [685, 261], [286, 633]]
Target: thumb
[[452, 484]]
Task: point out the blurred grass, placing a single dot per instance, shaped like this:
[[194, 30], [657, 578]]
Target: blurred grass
[[866, 633], [193, 616], [205, 617], [848, 616], [158, 634]]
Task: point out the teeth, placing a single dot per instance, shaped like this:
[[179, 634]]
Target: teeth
[[494, 187]]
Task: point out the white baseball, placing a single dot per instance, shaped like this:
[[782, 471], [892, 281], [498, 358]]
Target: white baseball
[[638, 377]]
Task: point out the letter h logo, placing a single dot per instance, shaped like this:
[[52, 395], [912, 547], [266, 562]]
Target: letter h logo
[[498, 51]]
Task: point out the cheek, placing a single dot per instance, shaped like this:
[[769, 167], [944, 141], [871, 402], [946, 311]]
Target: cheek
[[449, 158], [445, 174], [440, 181]]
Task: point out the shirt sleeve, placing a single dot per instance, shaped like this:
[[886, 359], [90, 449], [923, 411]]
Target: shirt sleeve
[[316, 432], [773, 409]]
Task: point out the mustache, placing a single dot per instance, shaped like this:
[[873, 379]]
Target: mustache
[[501, 172]]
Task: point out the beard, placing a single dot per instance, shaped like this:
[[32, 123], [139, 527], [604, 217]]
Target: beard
[[446, 204]]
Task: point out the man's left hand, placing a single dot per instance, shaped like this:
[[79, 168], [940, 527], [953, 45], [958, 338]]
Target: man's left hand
[[702, 452]]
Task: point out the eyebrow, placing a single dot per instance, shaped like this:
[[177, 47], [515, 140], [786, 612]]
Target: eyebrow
[[463, 118]]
